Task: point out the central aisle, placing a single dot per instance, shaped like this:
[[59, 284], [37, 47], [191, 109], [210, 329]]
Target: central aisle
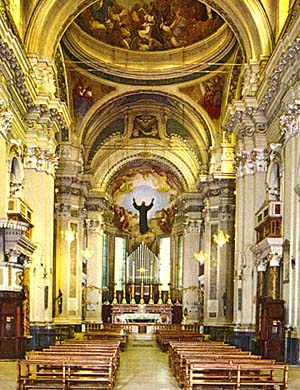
[[144, 366]]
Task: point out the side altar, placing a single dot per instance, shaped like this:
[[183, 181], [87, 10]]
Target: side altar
[[137, 313]]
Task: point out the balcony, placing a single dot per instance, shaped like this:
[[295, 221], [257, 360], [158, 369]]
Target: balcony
[[269, 221], [18, 210]]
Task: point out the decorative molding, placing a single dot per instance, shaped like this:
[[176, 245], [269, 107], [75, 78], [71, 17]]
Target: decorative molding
[[261, 265], [289, 122], [6, 117], [226, 212], [94, 225], [193, 226], [275, 260], [248, 120], [253, 118], [40, 159], [283, 65], [19, 82], [251, 162], [63, 210]]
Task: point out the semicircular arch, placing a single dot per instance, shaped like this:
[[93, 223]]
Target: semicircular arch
[[247, 19]]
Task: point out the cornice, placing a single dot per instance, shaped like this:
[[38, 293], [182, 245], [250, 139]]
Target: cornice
[[22, 87]]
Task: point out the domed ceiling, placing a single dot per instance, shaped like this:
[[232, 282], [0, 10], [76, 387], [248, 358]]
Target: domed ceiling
[[149, 25], [149, 42]]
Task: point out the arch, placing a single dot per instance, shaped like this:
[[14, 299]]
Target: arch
[[246, 18], [196, 120], [183, 166]]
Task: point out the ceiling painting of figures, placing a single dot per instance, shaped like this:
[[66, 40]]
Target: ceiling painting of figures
[[208, 94], [149, 25]]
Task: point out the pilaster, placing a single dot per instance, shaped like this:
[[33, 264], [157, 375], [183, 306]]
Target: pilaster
[[5, 128], [289, 126], [218, 268], [190, 298], [93, 288], [39, 167]]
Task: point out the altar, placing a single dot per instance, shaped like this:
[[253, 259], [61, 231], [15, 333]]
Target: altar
[[142, 317], [146, 313]]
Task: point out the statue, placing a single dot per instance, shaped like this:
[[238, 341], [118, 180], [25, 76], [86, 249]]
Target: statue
[[59, 301], [143, 210]]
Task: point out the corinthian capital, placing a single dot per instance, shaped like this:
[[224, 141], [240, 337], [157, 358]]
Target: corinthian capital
[[5, 119], [40, 159], [193, 226], [289, 122], [44, 75], [250, 162]]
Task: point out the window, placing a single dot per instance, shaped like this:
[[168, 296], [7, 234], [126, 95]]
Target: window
[[105, 261], [164, 262], [120, 257], [179, 260]]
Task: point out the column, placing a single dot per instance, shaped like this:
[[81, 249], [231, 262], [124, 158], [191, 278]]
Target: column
[[251, 174], [66, 295], [291, 226], [219, 223], [191, 245], [274, 282], [39, 168], [5, 128], [261, 279], [93, 293], [70, 214]]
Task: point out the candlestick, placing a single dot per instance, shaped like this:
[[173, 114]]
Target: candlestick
[[115, 301], [169, 301], [132, 301], [159, 302], [124, 302]]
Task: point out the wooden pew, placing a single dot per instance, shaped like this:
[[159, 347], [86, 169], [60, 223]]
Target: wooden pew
[[165, 337], [40, 374], [184, 356], [79, 365], [237, 375], [89, 375], [57, 374], [108, 335]]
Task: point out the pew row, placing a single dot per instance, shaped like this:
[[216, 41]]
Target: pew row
[[57, 374], [72, 365], [220, 365], [237, 375]]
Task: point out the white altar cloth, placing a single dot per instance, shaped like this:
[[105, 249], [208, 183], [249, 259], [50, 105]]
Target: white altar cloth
[[143, 317]]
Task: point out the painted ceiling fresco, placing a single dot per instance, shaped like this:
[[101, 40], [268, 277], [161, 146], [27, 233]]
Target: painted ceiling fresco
[[208, 94], [149, 25], [158, 188], [85, 92]]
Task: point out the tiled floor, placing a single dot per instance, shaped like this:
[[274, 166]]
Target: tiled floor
[[143, 367]]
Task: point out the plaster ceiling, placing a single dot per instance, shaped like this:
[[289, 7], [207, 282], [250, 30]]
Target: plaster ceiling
[[173, 63]]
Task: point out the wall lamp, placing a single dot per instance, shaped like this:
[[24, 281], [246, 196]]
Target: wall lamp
[[69, 235], [201, 257], [221, 238]]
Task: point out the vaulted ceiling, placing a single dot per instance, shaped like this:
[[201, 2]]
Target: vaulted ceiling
[[147, 82]]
